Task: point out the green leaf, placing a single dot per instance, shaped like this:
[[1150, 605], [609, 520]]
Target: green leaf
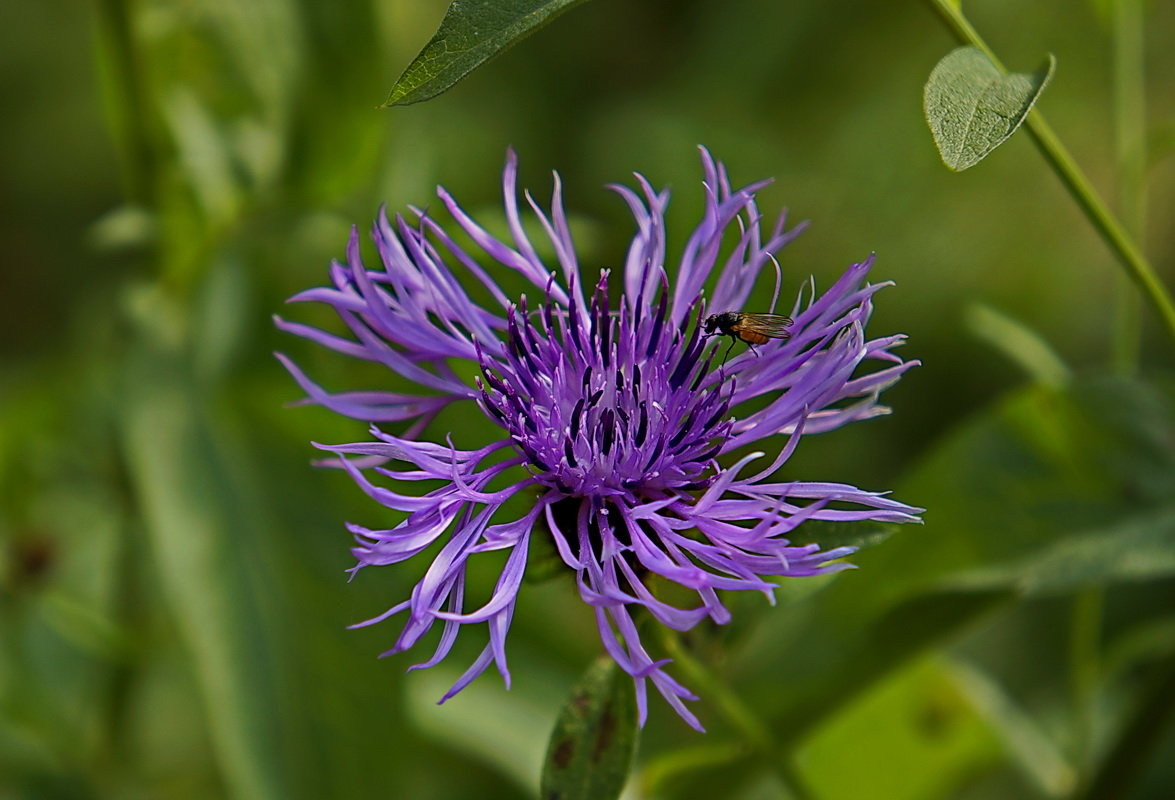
[[1141, 734], [1035, 490], [924, 741], [972, 107], [1019, 343], [1045, 491], [472, 32], [1029, 747], [204, 536], [901, 633], [594, 741], [1136, 549], [803, 675]]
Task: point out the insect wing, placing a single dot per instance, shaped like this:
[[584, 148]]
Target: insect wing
[[773, 326]]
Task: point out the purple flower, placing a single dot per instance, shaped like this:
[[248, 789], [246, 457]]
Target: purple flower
[[616, 413]]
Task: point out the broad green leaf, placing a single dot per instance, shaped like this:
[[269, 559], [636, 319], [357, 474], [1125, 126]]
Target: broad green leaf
[[1006, 492], [594, 741], [1035, 486], [972, 107], [801, 676], [891, 640], [1037, 756], [205, 544], [924, 740], [1140, 736], [472, 32], [1136, 549], [1147, 641]]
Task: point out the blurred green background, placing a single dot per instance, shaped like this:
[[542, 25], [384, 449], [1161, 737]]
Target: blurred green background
[[174, 599]]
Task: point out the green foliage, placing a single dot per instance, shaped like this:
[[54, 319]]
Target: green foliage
[[209, 565], [1025, 740], [472, 32], [594, 741], [916, 717], [1136, 549], [972, 108], [173, 594], [887, 642], [1054, 490], [1018, 343]]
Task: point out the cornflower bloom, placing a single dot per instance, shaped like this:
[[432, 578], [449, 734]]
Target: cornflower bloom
[[615, 406]]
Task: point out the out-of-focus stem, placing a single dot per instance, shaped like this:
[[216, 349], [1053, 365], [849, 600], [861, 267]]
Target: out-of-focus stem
[[130, 117], [750, 728], [1130, 150], [128, 102], [1084, 668], [1140, 735], [1075, 181]]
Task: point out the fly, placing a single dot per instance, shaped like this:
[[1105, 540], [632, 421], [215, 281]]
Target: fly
[[751, 329]]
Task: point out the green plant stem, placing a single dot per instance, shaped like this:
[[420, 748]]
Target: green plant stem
[[131, 616], [750, 728], [1138, 739], [128, 107], [1130, 150], [127, 97], [1084, 668], [1075, 181]]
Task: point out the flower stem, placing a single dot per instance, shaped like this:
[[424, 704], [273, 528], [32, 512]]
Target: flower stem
[[1075, 181], [754, 732]]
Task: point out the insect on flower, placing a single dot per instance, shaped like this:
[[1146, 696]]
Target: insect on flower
[[750, 328], [605, 432]]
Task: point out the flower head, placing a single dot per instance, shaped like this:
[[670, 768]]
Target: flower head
[[617, 411]]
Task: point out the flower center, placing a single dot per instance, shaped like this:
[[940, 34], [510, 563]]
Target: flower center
[[607, 403]]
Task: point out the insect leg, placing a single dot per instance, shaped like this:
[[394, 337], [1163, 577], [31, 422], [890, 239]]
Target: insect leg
[[728, 349]]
